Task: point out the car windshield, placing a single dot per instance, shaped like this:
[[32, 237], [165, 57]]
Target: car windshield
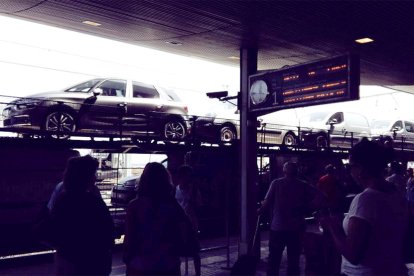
[[381, 124], [169, 94], [315, 117], [84, 87]]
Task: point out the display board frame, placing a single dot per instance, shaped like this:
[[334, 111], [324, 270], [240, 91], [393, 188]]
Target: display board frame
[[334, 79]]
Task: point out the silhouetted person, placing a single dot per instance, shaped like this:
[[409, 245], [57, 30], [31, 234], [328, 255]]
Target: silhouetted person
[[409, 174], [351, 187], [154, 226], [410, 189], [331, 187], [83, 228], [289, 198], [59, 189], [371, 236], [188, 197], [397, 177]]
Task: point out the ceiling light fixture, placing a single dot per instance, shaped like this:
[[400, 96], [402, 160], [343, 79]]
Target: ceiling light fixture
[[364, 40], [175, 43], [91, 23], [234, 57]]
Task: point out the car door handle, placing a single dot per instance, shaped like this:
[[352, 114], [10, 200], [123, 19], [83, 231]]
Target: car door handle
[[123, 107]]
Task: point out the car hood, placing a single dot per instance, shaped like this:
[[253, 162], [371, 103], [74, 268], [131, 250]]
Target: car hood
[[60, 94], [221, 117], [314, 127], [378, 132], [53, 96], [128, 178]]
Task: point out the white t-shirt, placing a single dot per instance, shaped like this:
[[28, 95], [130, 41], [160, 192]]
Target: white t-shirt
[[386, 213]]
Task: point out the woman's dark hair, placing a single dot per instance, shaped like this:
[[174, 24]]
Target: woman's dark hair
[[184, 170], [79, 173], [372, 156], [155, 182]]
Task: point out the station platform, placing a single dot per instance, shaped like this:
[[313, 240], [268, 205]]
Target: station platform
[[214, 260]]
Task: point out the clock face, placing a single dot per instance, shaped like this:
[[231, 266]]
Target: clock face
[[258, 92]]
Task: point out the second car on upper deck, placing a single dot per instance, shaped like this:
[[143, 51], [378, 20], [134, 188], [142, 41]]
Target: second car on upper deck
[[333, 128], [100, 106]]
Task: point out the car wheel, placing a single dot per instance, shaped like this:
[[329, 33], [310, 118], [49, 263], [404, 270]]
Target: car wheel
[[174, 130], [227, 134], [60, 121], [321, 141], [290, 139]]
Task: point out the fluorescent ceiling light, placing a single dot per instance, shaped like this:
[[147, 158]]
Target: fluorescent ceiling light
[[364, 40], [234, 57], [91, 23]]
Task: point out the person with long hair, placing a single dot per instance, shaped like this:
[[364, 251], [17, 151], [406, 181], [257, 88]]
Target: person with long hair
[[370, 238], [153, 226], [83, 227]]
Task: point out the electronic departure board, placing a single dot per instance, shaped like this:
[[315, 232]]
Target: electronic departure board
[[324, 81]]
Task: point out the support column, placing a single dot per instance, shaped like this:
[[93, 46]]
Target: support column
[[248, 141]]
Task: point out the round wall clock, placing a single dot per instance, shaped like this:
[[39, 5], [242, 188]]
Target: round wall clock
[[258, 92]]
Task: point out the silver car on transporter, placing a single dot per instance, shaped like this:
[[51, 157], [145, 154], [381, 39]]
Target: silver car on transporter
[[225, 128], [333, 128], [102, 105], [398, 132]]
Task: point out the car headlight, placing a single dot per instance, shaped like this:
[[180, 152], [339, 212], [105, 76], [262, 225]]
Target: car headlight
[[26, 103]]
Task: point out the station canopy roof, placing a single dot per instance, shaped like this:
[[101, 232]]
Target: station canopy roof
[[285, 32]]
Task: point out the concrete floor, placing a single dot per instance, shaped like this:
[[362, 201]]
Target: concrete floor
[[213, 262]]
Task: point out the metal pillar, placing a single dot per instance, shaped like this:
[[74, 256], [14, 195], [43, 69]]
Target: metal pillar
[[248, 137]]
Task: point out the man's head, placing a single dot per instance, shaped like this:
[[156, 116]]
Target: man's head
[[290, 169], [330, 169]]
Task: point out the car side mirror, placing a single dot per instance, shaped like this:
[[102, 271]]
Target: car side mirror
[[333, 121], [396, 128], [97, 91]]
